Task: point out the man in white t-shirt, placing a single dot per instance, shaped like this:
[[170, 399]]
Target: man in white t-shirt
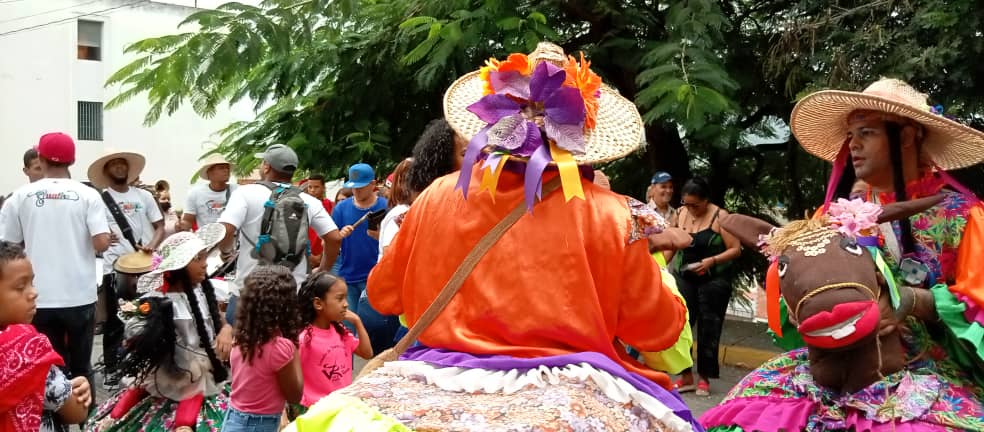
[[128, 208], [245, 213], [206, 202], [62, 224]]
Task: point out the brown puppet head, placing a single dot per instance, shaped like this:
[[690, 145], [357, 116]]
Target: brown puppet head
[[828, 270]]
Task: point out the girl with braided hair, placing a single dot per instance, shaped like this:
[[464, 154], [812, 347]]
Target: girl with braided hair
[[171, 362]]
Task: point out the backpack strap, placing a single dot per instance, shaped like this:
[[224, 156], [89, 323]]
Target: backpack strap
[[114, 209]]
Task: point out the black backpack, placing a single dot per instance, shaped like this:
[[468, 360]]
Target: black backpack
[[283, 238]]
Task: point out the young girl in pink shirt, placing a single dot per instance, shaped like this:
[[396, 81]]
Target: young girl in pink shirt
[[326, 345], [266, 368]]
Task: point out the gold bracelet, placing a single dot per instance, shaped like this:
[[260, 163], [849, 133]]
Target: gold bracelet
[[915, 300]]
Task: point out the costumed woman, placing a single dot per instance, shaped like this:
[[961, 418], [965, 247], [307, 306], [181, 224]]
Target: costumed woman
[[533, 338], [898, 147], [174, 373]]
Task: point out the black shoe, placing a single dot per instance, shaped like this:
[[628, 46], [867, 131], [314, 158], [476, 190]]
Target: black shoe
[[111, 380]]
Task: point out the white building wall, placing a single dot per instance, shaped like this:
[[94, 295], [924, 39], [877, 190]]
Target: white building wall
[[41, 82]]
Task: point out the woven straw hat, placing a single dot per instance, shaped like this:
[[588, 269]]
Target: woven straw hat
[[618, 131], [210, 161], [134, 161], [134, 263], [819, 122], [177, 251]]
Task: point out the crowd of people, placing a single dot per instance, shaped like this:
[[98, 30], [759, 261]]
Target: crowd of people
[[516, 290]]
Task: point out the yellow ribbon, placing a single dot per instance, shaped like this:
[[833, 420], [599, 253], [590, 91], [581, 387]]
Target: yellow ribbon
[[490, 177], [570, 178]]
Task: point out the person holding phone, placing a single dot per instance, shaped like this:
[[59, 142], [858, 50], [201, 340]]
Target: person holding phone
[[360, 252]]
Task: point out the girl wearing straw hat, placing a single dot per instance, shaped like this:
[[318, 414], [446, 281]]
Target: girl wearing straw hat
[[171, 347], [888, 145], [541, 273]]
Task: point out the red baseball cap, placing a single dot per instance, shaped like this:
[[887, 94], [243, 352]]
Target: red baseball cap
[[56, 147]]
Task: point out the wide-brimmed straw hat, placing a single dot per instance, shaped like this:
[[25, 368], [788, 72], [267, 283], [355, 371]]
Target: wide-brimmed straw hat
[[210, 161], [177, 251], [618, 130], [134, 263], [819, 122], [97, 172]]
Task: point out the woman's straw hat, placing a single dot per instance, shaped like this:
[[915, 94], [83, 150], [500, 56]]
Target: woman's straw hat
[[819, 122], [618, 131], [177, 251]]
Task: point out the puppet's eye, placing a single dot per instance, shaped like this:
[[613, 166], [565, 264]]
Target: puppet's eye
[[852, 247], [782, 265]]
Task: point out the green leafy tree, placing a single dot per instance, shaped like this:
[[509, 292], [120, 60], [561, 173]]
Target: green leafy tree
[[357, 80]]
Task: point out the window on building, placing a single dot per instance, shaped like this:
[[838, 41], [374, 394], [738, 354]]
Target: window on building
[[90, 121], [90, 40]]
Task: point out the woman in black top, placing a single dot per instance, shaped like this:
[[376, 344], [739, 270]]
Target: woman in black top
[[702, 275]]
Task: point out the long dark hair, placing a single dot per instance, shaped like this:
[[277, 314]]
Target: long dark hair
[[894, 132], [181, 278], [267, 308], [316, 285], [152, 348], [433, 155]]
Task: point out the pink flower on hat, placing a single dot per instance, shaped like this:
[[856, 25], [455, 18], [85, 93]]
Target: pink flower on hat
[[854, 218]]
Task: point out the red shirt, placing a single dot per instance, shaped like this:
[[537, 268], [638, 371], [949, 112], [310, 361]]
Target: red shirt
[[316, 247]]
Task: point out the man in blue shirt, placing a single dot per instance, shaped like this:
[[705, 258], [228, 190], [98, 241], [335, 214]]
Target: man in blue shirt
[[360, 251]]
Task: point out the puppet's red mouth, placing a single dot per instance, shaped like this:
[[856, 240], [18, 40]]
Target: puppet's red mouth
[[846, 324]]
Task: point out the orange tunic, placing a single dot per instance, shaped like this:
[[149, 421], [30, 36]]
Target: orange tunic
[[563, 280]]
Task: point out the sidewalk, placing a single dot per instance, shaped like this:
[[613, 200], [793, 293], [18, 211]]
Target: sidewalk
[[746, 344]]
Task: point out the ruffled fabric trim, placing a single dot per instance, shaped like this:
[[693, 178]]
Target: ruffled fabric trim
[[507, 382], [341, 413], [953, 313], [773, 414]]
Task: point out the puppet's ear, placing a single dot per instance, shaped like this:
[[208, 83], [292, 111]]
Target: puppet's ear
[[900, 210], [746, 228]]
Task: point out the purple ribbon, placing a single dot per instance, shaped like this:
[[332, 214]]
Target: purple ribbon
[[533, 179], [474, 149]]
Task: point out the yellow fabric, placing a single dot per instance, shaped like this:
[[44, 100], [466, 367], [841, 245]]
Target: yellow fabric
[[562, 280], [339, 413], [490, 177], [677, 358], [570, 177]]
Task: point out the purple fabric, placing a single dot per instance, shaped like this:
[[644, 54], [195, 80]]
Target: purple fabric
[[442, 357], [472, 152], [868, 241], [973, 313], [546, 79], [533, 178], [774, 414], [492, 108]]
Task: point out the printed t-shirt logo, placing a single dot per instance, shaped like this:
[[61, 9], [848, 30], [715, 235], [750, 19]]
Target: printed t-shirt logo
[[130, 208], [42, 196], [215, 207]]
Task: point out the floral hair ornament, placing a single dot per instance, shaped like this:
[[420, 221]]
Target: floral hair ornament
[[539, 108]]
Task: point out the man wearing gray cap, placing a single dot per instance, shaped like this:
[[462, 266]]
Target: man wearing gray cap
[[245, 213]]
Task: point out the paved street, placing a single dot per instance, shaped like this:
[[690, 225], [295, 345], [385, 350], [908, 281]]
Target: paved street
[[729, 377]]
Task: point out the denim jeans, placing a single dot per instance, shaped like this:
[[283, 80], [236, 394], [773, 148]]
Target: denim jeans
[[230, 314], [238, 421]]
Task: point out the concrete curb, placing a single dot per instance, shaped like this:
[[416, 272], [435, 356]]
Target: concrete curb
[[744, 357]]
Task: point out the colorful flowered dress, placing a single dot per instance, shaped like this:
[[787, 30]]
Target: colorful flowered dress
[[940, 389]]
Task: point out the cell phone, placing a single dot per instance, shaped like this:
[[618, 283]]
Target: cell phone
[[376, 219]]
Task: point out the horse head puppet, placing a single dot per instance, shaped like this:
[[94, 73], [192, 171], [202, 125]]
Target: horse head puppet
[[832, 275]]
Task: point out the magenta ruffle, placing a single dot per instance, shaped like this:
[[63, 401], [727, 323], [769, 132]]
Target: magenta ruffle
[[774, 414], [973, 313]]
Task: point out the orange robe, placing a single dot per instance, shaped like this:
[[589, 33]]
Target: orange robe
[[565, 279]]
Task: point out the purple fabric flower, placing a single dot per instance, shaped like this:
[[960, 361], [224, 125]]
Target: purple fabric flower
[[520, 100]]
